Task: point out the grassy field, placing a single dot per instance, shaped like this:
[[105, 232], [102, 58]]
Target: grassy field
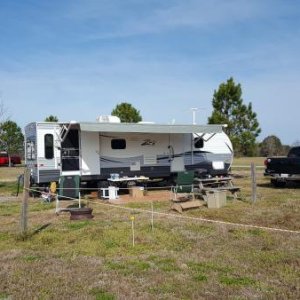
[[246, 161], [10, 174], [178, 259]]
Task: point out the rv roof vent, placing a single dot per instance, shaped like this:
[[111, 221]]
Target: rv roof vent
[[108, 119]]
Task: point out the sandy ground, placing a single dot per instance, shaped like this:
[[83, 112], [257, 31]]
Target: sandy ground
[[160, 195]]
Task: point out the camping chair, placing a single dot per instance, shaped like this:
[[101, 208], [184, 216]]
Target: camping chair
[[184, 185]]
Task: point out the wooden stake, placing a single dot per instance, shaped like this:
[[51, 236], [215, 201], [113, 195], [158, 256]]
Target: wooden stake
[[57, 209], [24, 209], [132, 228], [253, 180], [152, 216]]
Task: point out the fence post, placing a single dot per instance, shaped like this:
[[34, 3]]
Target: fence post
[[24, 209], [253, 180], [152, 216], [132, 229]]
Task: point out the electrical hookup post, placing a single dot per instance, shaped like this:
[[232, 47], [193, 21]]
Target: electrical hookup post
[[24, 208]]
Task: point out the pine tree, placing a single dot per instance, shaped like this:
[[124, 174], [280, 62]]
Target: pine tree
[[51, 118], [127, 113], [242, 124]]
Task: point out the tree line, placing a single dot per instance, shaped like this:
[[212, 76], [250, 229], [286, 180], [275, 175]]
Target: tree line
[[240, 124]]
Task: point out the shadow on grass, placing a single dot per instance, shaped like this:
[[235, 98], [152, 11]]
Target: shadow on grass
[[23, 236], [76, 205], [290, 185], [41, 228]]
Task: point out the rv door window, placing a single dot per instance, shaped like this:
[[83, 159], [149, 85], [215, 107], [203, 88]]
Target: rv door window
[[118, 144], [198, 142], [49, 146]]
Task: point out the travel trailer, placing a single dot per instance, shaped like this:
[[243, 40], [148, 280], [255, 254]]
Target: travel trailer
[[96, 150]]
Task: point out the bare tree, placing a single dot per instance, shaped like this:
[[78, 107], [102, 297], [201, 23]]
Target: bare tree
[[296, 143], [3, 112]]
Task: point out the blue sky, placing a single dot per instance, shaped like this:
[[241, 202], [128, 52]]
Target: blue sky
[[79, 59]]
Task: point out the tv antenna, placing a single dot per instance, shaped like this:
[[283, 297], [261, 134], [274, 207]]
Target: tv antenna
[[194, 110]]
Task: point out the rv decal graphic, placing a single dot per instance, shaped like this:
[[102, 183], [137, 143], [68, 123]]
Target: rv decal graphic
[[148, 142], [231, 150]]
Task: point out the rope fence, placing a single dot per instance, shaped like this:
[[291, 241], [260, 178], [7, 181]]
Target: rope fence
[[176, 216]]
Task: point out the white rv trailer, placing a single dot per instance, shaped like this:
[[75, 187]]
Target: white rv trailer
[[95, 150]]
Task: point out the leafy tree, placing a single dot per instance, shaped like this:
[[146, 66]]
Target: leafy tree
[[127, 113], [11, 138], [271, 146], [242, 124], [51, 118]]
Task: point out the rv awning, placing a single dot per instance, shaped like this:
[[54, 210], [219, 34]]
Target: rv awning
[[148, 128]]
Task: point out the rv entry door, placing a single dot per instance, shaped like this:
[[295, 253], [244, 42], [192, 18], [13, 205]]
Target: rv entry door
[[70, 151]]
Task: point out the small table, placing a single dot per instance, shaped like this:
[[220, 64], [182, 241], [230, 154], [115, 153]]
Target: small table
[[110, 193], [129, 179]]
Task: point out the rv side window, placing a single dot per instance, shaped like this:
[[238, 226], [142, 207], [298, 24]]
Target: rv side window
[[30, 150], [198, 143], [49, 149], [118, 144]]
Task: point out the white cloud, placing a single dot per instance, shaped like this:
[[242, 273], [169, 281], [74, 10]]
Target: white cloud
[[140, 19]]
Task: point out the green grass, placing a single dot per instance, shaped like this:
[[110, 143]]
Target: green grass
[[4, 296], [101, 294], [178, 259], [237, 281], [9, 188], [246, 161]]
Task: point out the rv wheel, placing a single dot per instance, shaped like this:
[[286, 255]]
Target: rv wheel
[[102, 184], [131, 184]]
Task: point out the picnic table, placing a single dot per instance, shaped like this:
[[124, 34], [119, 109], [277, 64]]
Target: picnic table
[[206, 185]]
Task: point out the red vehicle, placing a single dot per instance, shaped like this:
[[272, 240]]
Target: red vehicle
[[4, 159]]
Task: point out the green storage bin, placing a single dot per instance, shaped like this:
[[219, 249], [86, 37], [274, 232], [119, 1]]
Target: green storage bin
[[69, 186]]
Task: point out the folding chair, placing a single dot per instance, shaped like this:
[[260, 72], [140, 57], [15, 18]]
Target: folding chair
[[184, 185]]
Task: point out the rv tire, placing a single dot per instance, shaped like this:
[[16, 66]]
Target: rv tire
[[102, 184]]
